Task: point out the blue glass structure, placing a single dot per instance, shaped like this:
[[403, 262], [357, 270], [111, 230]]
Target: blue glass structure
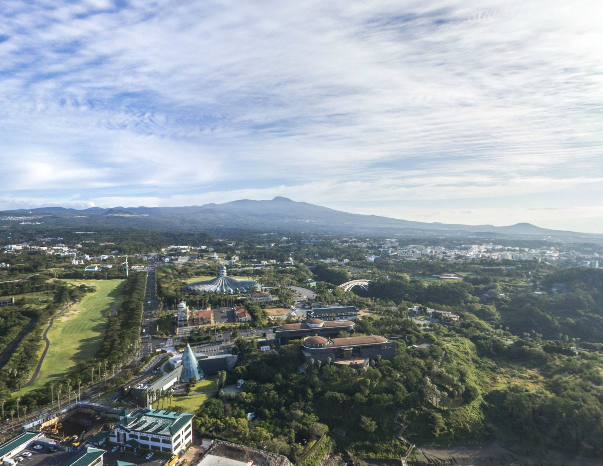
[[190, 366]]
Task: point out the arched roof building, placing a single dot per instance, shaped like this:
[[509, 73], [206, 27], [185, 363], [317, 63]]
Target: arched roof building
[[223, 284]]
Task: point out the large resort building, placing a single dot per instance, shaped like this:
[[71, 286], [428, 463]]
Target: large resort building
[[155, 430], [223, 284], [288, 332], [354, 351]]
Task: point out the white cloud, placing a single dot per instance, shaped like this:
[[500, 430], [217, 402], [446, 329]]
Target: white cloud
[[322, 101]]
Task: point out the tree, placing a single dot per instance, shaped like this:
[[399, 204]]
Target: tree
[[192, 381], [317, 430], [222, 378], [367, 424]]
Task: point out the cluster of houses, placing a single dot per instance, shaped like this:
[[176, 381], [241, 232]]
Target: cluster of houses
[[187, 317]]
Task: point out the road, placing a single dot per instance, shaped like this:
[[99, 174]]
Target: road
[[150, 306]]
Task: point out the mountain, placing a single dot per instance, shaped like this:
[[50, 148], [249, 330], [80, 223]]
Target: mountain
[[279, 214]]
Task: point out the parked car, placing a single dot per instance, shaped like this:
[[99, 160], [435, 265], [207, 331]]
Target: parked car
[[115, 448], [26, 454], [37, 447], [149, 456], [18, 459]]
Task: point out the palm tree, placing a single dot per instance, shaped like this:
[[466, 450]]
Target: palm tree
[[2, 405], [12, 414], [25, 411], [170, 395], [18, 400], [51, 394]]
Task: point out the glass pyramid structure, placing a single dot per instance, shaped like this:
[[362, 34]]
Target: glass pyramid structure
[[190, 366]]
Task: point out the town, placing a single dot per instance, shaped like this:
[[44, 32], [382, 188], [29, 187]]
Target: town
[[155, 353]]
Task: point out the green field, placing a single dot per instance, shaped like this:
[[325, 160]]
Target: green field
[[77, 335], [202, 391]]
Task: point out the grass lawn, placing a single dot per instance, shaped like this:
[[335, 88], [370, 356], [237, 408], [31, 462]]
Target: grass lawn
[[202, 391], [77, 335]]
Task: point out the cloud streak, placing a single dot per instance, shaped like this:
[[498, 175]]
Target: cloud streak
[[184, 101]]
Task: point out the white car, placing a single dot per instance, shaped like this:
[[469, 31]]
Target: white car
[[18, 459], [26, 454], [114, 449], [149, 456], [37, 447]]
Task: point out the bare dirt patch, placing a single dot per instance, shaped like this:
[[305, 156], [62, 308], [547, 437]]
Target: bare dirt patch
[[277, 311]]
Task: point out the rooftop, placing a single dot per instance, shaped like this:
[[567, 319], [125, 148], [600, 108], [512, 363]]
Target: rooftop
[[363, 340], [24, 438], [212, 460], [87, 457], [155, 421], [329, 323]]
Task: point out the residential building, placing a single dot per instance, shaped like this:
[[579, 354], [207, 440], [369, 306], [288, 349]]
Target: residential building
[[7, 301], [203, 317], [242, 315], [155, 430]]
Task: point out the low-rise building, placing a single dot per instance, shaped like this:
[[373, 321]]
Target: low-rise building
[[242, 315], [7, 301], [156, 430], [16, 445], [203, 317], [334, 313], [88, 457], [351, 351], [332, 328], [260, 297]]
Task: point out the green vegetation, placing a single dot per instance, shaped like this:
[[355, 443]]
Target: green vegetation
[[76, 335], [198, 394]]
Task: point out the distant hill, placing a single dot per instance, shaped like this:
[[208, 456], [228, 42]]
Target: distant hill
[[278, 214]]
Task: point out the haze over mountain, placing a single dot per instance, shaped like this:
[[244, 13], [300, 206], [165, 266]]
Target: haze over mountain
[[279, 214]]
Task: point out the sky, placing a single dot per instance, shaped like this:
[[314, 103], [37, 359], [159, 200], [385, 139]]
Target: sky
[[455, 111]]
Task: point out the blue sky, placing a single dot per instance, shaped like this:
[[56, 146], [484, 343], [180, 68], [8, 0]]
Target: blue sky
[[450, 110]]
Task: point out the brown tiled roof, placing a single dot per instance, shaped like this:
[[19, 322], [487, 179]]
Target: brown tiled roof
[[316, 340], [315, 321], [363, 340], [339, 323], [297, 326]]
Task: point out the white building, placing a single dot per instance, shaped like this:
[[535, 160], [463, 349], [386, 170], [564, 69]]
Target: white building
[[155, 430]]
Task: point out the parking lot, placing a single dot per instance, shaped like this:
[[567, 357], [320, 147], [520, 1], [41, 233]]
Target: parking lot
[[45, 458]]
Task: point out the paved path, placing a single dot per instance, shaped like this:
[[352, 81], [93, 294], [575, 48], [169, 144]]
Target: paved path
[[47, 342]]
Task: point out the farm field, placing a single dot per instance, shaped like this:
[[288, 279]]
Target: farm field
[[77, 335]]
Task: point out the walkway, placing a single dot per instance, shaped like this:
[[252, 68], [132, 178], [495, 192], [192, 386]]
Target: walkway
[[47, 342]]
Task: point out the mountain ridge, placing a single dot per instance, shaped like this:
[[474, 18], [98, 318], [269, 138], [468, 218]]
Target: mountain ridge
[[279, 213]]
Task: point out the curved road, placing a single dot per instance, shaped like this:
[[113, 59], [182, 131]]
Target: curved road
[[47, 341]]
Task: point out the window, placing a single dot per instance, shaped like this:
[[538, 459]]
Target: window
[[133, 436], [155, 439], [155, 447], [165, 440], [166, 449], [144, 437]]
